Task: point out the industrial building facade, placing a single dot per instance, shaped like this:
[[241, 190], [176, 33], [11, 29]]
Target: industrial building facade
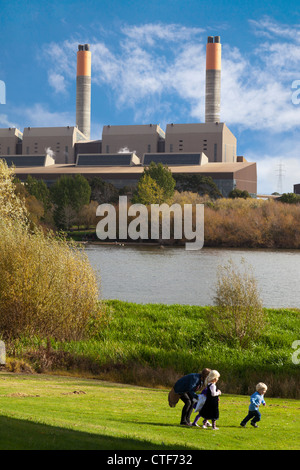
[[122, 152]]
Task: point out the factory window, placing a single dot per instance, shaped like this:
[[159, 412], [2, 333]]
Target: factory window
[[27, 150], [149, 148], [107, 149], [215, 152], [8, 150], [171, 147]]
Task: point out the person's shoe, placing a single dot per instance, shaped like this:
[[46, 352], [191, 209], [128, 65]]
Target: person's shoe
[[185, 424], [215, 429], [195, 424], [254, 425]]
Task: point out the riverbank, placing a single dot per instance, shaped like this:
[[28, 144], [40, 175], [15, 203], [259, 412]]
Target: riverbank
[[233, 223]]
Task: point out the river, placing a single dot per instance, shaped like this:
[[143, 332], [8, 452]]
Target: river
[[150, 274]]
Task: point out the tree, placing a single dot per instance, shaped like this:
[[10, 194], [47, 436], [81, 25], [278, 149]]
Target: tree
[[238, 315], [156, 185], [39, 190], [103, 192], [148, 192], [87, 215], [69, 192], [198, 184], [290, 198], [236, 193], [162, 175]]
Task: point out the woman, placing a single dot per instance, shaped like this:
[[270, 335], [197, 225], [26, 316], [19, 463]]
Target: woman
[[186, 388]]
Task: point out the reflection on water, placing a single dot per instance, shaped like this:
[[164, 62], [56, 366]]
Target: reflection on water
[[150, 274]]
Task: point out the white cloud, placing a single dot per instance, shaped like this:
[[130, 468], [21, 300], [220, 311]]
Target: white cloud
[[57, 81], [5, 121], [267, 27], [155, 62], [39, 116], [151, 33]]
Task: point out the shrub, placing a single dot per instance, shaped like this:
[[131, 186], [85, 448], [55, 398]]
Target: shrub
[[236, 193], [290, 198], [47, 286], [238, 315], [11, 206]]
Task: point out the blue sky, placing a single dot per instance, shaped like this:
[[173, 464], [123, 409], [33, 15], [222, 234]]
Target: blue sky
[[148, 66]]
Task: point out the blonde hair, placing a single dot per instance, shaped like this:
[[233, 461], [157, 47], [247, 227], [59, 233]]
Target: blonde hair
[[214, 374], [261, 386]]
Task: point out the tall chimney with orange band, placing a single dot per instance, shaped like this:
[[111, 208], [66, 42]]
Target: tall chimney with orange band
[[83, 90], [213, 79]]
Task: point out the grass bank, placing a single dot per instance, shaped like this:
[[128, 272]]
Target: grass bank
[[154, 344], [41, 412]]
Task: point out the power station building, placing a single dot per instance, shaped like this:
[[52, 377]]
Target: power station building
[[122, 153]]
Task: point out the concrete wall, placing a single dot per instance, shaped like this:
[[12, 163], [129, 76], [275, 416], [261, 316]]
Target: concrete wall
[[138, 139], [60, 140], [9, 140], [215, 140]]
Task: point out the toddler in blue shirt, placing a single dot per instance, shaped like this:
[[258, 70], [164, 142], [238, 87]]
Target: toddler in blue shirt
[[255, 401]]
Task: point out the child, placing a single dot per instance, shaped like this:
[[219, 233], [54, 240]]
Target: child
[[199, 405], [210, 408], [255, 400]]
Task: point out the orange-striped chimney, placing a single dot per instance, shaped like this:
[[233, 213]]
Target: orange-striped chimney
[[213, 79], [83, 90]]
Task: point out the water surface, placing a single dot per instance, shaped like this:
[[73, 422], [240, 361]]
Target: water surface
[[150, 274]]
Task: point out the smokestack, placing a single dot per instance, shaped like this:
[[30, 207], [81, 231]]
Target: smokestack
[[213, 79], [83, 90]]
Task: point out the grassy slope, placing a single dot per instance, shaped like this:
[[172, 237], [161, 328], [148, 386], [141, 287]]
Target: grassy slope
[[43, 412], [176, 339]]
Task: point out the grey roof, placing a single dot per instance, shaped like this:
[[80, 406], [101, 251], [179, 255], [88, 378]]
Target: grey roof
[[172, 158], [102, 159], [25, 161]]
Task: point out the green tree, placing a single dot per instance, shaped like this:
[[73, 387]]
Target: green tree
[[39, 190], [236, 193], [68, 195], [148, 191], [290, 198], [161, 185], [198, 184], [103, 192]]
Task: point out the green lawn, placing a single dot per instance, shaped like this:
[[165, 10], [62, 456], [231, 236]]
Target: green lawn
[[42, 412]]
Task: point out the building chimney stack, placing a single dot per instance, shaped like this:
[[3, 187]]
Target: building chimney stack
[[83, 90], [213, 79]]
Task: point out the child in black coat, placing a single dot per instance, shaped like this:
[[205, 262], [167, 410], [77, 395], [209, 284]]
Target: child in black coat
[[210, 408]]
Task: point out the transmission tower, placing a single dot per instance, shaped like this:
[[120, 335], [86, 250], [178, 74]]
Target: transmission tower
[[280, 174]]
